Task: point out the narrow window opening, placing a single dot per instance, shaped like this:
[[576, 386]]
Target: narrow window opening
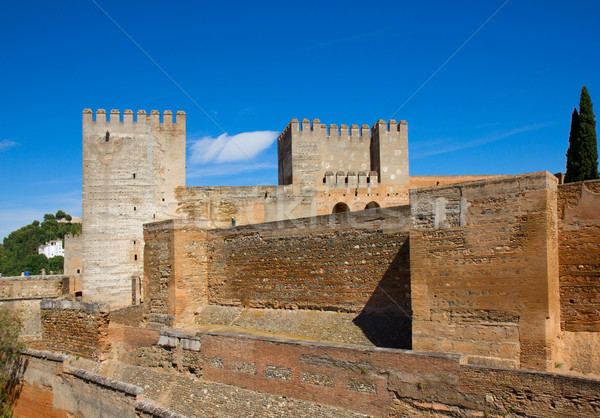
[[135, 257], [163, 199], [107, 137], [134, 208], [78, 271], [134, 241], [133, 175]]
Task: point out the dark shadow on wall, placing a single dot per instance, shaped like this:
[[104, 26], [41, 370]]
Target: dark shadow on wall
[[14, 371], [386, 318]]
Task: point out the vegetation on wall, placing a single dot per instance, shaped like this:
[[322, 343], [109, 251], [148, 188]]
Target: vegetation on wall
[[19, 251], [10, 327], [582, 155]]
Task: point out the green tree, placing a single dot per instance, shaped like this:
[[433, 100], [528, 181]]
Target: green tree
[[10, 348], [582, 155], [19, 251]]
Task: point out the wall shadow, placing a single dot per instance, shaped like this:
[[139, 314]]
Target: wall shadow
[[386, 318]]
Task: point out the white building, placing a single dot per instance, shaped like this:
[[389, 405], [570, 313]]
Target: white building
[[52, 249]]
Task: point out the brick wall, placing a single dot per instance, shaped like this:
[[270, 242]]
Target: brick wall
[[80, 328], [579, 250], [484, 261]]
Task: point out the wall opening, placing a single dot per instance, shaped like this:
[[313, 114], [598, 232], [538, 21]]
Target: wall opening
[[341, 207], [372, 205]]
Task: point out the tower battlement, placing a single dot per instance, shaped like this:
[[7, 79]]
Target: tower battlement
[[115, 121], [307, 151]]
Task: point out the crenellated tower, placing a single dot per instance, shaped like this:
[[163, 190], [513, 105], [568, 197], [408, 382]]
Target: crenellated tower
[[310, 155], [130, 171]]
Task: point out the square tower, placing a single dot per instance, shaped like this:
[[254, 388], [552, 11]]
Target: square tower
[[130, 172]]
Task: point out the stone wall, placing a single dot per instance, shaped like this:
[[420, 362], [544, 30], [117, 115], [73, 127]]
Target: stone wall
[[80, 328], [484, 270], [352, 262], [51, 388], [23, 295], [374, 381], [579, 251]]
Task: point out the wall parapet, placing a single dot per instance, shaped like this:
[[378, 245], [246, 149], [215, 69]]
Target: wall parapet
[[74, 305], [100, 120]]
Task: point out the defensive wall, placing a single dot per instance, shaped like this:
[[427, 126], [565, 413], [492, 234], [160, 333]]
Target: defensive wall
[[474, 265], [134, 172], [232, 374], [256, 274], [23, 294], [50, 387]]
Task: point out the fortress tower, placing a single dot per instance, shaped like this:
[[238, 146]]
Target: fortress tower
[[130, 172], [312, 155]]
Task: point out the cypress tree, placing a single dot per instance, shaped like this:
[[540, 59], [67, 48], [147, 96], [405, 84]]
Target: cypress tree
[[574, 151], [582, 155]]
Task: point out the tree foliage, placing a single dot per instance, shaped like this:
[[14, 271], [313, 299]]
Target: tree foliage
[[10, 348], [19, 253], [582, 155]]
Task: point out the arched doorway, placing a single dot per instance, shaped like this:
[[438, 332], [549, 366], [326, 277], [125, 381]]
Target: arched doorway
[[341, 207], [372, 205]]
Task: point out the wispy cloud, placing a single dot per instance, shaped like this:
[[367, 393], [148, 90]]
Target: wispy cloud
[[230, 148], [447, 145], [226, 169], [6, 144], [345, 39]]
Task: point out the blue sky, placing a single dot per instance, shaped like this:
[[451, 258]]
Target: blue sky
[[486, 87]]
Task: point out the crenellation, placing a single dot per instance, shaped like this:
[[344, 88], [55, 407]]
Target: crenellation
[[354, 131], [154, 118], [317, 126], [305, 125], [100, 116], [343, 130], [128, 117], [167, 118], [115, 116], [365, 131], [333, 130]]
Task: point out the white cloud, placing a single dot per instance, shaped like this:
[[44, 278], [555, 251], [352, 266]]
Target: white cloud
[[6, 144], [229, 149]]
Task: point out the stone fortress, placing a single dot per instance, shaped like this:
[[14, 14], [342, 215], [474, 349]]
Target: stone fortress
[[349, 289]]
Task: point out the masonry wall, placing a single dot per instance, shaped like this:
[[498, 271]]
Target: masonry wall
[[130, 172], [175, 282], [79, 328], [352, 262], [49, 387], [23, 295], [484, 270], [376, 381], [345, 262], [579, 250], [258, 204]]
